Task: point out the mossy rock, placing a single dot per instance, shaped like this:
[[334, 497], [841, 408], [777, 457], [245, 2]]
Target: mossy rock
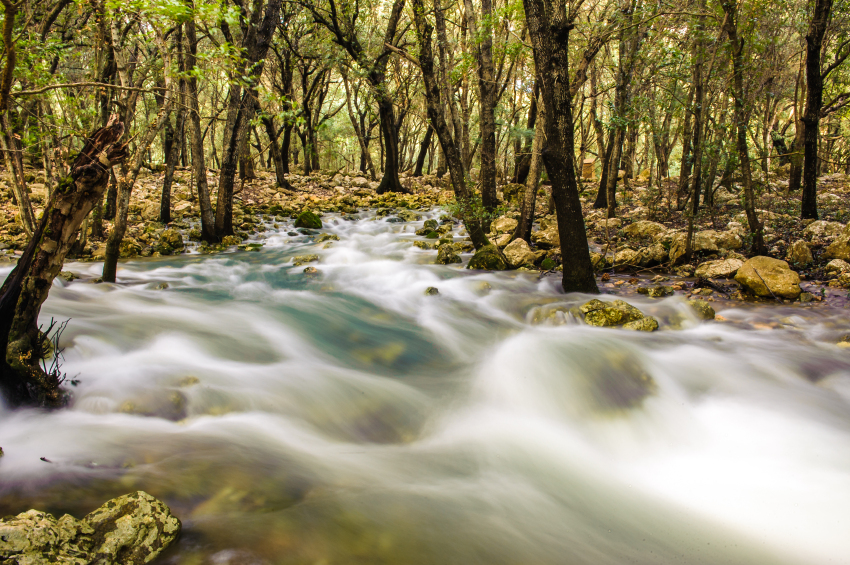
[[488, 258], [309, 220], [646, 324], [303, 259], [658, 291], [327, 237], [609, 314], [229, 240], [702, 309], [446, 255], [431, 225]]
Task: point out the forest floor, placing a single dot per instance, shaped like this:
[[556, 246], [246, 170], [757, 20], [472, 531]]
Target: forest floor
[[643, 246]]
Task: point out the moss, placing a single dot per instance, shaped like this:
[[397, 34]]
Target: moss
[[309, 220], [488, 258]]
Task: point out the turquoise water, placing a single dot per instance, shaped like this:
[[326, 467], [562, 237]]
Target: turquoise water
[[346, 417]]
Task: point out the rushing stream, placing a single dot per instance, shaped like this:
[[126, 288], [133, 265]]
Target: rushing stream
[[346, 417]]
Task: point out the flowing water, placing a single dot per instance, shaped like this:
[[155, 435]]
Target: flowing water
[[346, 417]]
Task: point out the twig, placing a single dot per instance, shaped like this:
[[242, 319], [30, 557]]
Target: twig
[[765, 285]]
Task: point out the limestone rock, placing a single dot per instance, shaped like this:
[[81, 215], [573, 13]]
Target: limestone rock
[[229, 240], [702, 309], [327, 237], [432, 291], [701, 243], [652, 255], [724, 268], [488, 258], [764, 276], [547, 238], [839, 249], [644, 228], [502, 240], [607, 314], [129, 530], [309, 220], [503, 225], [627, 257], [303, 259], [658, 291], [645, 324], [799, 253], [837, 266], [446, 255], [172, 238], [518, 253], [725, 239], [822, 229]]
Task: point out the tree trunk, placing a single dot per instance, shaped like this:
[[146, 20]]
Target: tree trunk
[[26, 288], [529, 199], [549, 30], [423, 152], [814, 101]]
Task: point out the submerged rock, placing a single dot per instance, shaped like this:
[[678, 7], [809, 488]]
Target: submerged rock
[[702, 309], [609, 314], [309, 220], [302, 259], [446, 255], [488, 258], [129, 530], [645, 324], [766, 277], [432, 291]]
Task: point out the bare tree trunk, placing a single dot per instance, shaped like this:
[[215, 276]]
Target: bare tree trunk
[[532, 182]]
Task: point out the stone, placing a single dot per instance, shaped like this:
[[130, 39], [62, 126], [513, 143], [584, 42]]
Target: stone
[[311, 270], [518, 253], [502, 240], [607, 314], [360, 182], [799, 253], [627, 257], [503, 225], [657, 291], [822, 229], [431, 225], [327, 237], [432, 291], [172, 238], [546, 238], [767, 277], [837, 266], [230, 240], [652, 255], [645, 324], [424, 244], [129, 530], [488, 258], [67, 276], [612, 223], [150, 210], [309, 220], [446, 255], [702, 309], [725, 239], [721, 269], [702, 243], [839, 249], [302, 259], [644, 228], [129, 248], [409, 216]]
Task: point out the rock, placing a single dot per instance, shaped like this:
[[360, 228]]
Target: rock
[[431, 225], [311, 270], [501, 240], [503, 225], [482, 288], [360, 182], [645, 324], [424, 244], [701, 243], [799, 253], [607, 314], [327, 237], [724, 268], [446, 255], [598, 261], [409, 216], [644, 228], [612, 223], [67, 276], [837, 266], [657, 291], [488, 258], [432, 291], [129, 530], [518, 253], [764, 276], [822, 229], [302, 259], [150, 210], [724, 239], [129, 248], [230, 240], [172, 238], [702, 309], [839, 249], [309, 220], [737, 228], [652, 255], [627, 257], [547, 238]]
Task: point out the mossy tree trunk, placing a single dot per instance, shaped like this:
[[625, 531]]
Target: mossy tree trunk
[[22, 379]]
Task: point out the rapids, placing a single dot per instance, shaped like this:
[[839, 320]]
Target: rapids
[[346, 417]]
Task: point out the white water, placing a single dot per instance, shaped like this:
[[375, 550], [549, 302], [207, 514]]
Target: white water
[[349, 418]]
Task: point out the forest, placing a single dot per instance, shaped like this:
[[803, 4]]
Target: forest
[[352, 281]]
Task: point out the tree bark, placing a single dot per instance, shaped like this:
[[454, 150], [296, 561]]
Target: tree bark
[[26, 288], [532, 182], [423, 152]]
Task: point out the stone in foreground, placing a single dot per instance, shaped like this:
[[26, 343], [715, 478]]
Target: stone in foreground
[[309, 220], [129, 530], [768, 277], [488, 258]]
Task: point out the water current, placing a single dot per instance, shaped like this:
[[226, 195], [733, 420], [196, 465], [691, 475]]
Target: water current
[[348, 417]]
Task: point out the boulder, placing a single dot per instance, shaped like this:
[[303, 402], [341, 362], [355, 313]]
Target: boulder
[[446, 255], [612, 223], [607, 314], [657, 291], [172, 238], [645, 324], [547, 238], [839, 249], [837, 266], [129, 530], [644, 228], [799, 253], [652, 255], [765, 276], [309, 220], [488, 258], [737, 228], [503, 225], [725, 239], [702, 243], [150, 210], [822, 229], [627, 257], [518, 253], [722, 269], [304, 259], [501, 240], [702, 309]]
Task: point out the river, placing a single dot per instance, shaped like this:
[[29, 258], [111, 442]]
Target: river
[[348, 417]]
